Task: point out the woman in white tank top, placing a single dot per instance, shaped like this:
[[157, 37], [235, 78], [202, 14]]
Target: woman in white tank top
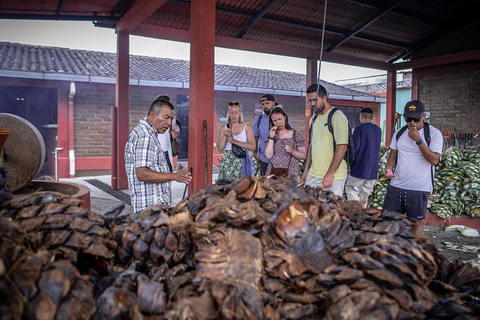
[[239, 133]]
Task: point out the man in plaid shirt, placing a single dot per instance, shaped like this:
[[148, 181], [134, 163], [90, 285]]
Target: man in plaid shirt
[[149, 177]]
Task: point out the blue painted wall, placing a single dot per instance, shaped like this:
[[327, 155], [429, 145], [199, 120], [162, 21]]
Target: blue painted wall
[[403, 96]]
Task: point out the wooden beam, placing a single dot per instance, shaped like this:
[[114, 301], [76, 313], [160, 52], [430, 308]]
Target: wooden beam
[[382, 41], [439, 60], [377, 14], [202, 98], [391, 99], [138, 13], [60, 6], [261, 47], [122, 96], [256, 18]]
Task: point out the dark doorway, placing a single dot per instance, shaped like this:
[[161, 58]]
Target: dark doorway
[[352, 114], [182, 116], [39, 107]]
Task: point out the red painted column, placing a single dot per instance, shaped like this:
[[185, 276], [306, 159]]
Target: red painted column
[[122, 102], [62, 131], [71, 130], [312, 75], [391, 99], [201, 108]]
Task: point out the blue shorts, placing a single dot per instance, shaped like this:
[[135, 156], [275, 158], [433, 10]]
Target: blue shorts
[[413, 203]]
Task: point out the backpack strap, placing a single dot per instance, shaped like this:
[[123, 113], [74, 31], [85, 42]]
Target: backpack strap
[[426, 131], [400, 132], [330, 127], [311, 129], [259, 119]]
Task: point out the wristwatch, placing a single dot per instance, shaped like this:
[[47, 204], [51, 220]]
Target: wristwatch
[[419, 142]]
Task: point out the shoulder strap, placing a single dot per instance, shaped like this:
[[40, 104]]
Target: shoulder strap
[[259, 118], [330, 127], [426, 131], [329, 120], [311, 129], [400, 132]]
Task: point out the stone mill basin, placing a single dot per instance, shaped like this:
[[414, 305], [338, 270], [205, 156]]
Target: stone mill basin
[[71, 189]]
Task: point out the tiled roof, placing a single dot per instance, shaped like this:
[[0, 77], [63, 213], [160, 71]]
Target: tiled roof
[[54, 60]]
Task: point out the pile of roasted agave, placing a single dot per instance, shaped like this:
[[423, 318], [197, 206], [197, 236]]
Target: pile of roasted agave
[[249, 249]]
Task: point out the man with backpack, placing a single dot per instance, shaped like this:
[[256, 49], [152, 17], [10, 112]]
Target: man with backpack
[[363, 174], [326, 166], [415, 151]]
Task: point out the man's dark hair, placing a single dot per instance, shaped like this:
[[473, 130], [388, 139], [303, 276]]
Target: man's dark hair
[[163, 96], [322, 92], [367, 113], [158, 104], [366, 110]]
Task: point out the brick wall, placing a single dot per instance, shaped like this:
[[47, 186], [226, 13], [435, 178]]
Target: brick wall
[[453, 100], [92, 121]]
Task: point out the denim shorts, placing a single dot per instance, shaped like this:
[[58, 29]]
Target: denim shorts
[[412, 202]]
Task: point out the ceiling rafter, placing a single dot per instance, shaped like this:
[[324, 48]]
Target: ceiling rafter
[[22, 16], [138, 13], [256, 18], [465, 19], [298, 24], [369, 20], [60, 6], [120, 5], [397, 12]]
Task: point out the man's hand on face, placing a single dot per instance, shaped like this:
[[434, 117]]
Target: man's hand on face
[[413, 133]]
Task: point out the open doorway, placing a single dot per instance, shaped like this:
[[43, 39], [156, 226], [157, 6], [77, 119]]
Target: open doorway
[[38, 106]]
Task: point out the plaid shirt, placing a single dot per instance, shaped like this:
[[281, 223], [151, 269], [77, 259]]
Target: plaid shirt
[[144, 150]]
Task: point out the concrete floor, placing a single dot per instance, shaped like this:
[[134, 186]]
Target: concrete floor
[[100, 201]]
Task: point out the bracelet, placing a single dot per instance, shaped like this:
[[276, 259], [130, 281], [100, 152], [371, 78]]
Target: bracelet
[[270, 138]]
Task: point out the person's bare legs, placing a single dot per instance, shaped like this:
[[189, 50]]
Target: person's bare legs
[[417, 229]]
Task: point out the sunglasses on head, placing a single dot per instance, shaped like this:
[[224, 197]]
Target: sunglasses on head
[[409, 119], [234, 103]]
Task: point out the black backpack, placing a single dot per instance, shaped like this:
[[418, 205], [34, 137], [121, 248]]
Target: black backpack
[[349, 156]]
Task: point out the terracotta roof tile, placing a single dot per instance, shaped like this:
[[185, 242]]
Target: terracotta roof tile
[[20, 57]]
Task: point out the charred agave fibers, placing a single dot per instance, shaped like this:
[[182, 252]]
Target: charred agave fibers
[[250, 249]]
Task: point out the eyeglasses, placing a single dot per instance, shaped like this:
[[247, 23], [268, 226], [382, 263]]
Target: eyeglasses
[[416, 120], [234, 103], [309, 101]]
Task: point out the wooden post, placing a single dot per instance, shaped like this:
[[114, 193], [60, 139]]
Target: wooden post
[[202, 103]]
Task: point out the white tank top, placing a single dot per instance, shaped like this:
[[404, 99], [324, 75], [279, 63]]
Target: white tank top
[[242, 137]]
